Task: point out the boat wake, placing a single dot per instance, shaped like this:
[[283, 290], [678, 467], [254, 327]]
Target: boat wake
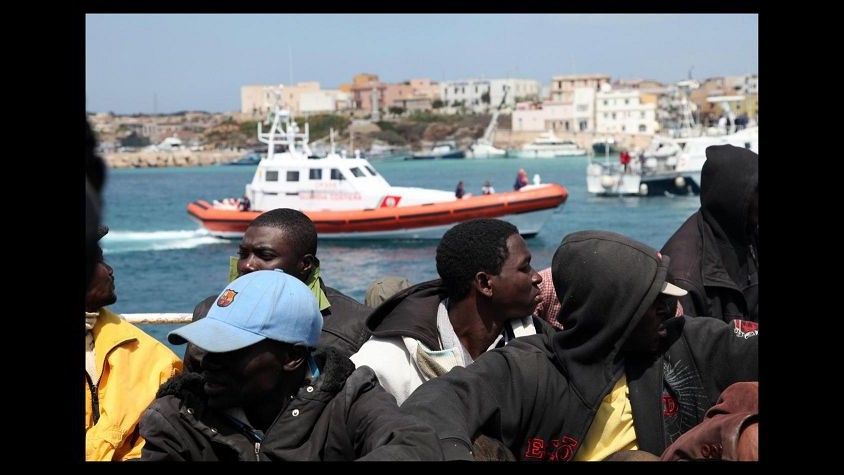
[[117, 242]]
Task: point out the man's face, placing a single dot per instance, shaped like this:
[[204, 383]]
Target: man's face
[[101, 289], [516, 287], [650, 331], [268, 248], [246, 377]]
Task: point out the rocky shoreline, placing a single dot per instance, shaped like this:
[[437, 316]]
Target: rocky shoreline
[[182, 158]]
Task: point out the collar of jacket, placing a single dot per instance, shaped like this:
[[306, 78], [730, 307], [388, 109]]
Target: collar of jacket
[[109, 332], [410, 313]]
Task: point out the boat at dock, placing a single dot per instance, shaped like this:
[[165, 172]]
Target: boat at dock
[[663, 174], [347, 198], [446, 149], [672, 164], [547, 145]]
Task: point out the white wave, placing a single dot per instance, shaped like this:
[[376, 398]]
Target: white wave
[[116, 241]]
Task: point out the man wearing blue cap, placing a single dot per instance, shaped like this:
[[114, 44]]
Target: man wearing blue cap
[[262, 396]]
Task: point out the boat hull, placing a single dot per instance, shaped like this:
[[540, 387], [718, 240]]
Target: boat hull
[[435, 156], [545, 153], [527, 209], [600, 148], [678, 183]]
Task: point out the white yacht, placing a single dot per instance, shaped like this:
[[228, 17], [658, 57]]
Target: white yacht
[[548, 145]]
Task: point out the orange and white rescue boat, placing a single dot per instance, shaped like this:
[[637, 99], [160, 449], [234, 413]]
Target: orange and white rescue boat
[[347, 198]]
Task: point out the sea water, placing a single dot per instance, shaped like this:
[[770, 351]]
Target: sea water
[[164, 262]]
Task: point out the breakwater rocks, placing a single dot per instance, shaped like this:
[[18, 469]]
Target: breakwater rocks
[[181, 158]]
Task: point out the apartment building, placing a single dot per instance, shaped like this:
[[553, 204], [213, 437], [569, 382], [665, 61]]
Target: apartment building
[[577, 114], [562, 87], [626, 111]]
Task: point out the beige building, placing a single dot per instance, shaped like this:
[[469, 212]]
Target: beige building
[[573, 115], [625, 111], [416, 94], [562, 87], [304, 98], [367, 89]]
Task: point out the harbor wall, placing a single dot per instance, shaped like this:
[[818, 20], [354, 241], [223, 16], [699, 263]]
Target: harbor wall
[[181, 158]]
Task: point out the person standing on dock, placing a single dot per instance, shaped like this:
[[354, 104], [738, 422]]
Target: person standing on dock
[[123, 369]]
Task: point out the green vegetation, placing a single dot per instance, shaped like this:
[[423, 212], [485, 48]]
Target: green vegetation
[[134, 140], [428, 117], [319, 124], [390, 136]]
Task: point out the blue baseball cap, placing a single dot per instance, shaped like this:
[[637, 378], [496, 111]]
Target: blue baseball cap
[[258, 305]]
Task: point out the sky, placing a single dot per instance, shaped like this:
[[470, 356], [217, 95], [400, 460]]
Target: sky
[[161, 63]]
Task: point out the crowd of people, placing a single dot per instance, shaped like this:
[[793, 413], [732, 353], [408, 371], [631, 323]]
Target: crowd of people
[[618, 351]]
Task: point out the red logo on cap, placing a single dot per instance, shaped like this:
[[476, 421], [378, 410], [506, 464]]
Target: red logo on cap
[[226, 298]]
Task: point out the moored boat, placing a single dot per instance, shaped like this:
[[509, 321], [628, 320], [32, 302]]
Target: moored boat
[[347, 198], [548, 145], [669, 174], [440, 150]]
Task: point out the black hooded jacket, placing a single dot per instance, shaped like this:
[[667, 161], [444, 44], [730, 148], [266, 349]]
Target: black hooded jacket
[[412, 312], [539, 394], [343, 415], [714, 254]]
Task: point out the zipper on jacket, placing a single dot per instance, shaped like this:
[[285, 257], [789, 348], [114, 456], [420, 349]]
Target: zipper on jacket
[[95, 400], [257, 450]]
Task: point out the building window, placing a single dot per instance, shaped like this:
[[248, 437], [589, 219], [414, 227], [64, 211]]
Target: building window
[[583, 125], [642, 115], [606, 102], [293, 176], [642, 128], [315, 174], [626, 102], [613, 115], [272, 175], [337, 174]]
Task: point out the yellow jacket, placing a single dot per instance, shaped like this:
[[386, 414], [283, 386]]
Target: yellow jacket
[[132, 365]]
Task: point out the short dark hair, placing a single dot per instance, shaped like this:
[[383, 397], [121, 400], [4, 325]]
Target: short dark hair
[[295, 224], [477, 245]]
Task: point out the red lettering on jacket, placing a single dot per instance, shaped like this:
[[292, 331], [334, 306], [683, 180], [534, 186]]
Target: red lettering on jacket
[[669, 405], [535, 449], [564, 449]]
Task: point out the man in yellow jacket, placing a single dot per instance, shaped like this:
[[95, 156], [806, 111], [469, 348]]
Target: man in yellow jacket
[[123, 369]]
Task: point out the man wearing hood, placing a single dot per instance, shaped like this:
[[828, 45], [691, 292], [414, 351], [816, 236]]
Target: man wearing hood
[[484, 298], [623, 374], [715, 253]]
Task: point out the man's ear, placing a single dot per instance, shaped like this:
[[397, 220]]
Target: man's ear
[[307, 265], [295, 358], [482, 283]]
